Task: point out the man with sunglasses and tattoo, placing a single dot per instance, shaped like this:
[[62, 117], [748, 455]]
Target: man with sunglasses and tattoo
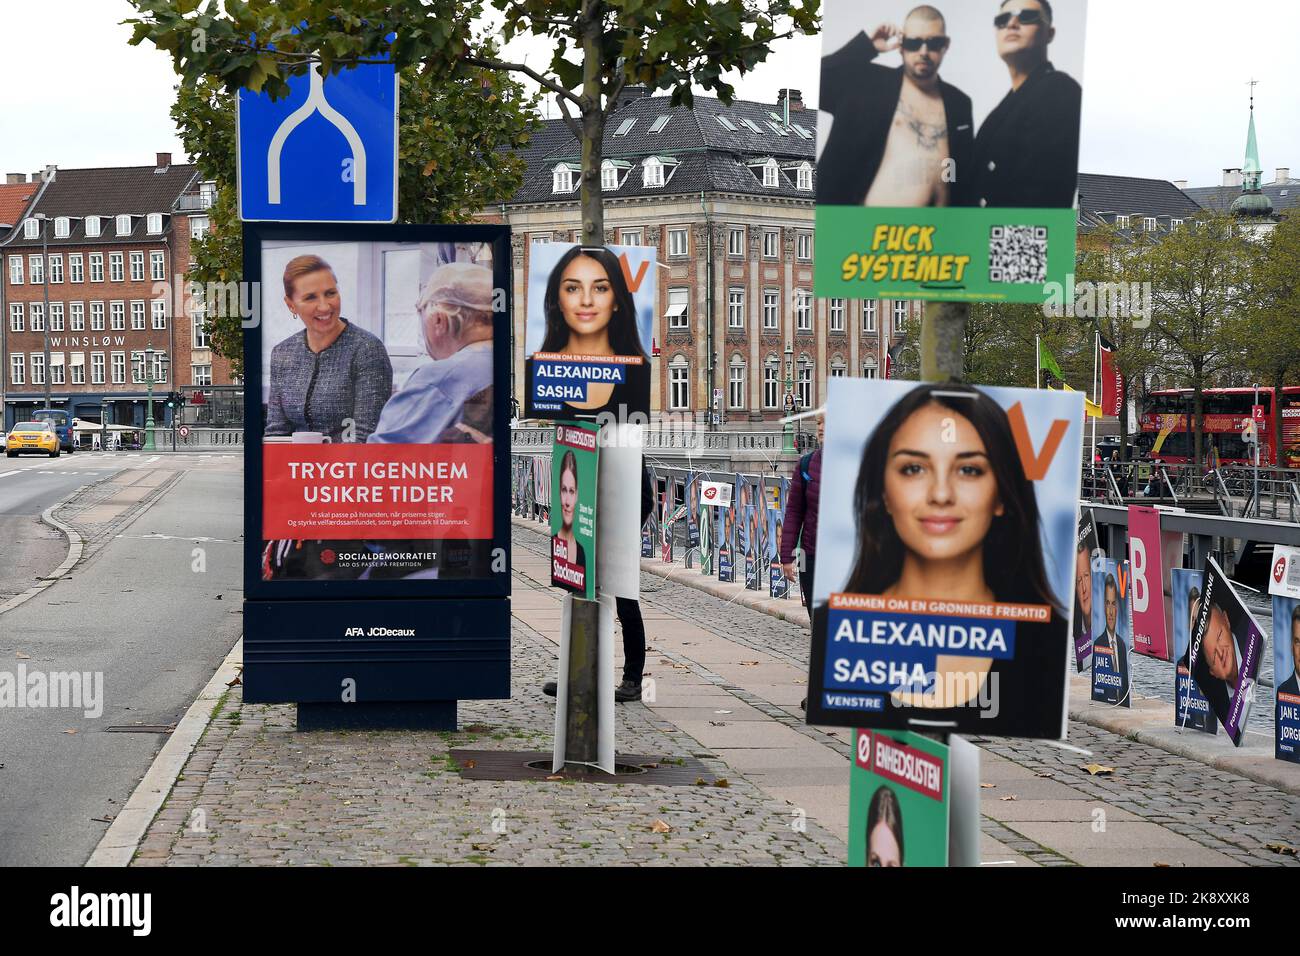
[[901, 136], [1027, 151]]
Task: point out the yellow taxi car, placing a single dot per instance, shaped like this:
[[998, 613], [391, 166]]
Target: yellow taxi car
[[28, 437]]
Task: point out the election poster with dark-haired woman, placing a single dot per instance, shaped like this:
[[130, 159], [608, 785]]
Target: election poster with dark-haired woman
[[575, 466], [589, 332], [945, 558], [899, 796], [1191, 709], [1227, 647]]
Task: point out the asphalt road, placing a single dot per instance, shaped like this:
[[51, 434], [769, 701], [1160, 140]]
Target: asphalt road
[[29, 549], [149, 614]]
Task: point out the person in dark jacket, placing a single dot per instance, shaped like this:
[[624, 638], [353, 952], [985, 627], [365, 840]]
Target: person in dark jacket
[[800, 526], [1027, 150], [901, 136]]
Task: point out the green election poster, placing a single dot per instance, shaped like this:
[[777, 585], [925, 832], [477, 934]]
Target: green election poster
[[898, 800], [573, 509]]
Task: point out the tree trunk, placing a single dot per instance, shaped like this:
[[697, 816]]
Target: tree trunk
[[943, 337], [593, 135]]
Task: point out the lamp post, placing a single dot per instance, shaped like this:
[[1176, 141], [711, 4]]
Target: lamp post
[[148, 409], [787, 430], [45, 317]]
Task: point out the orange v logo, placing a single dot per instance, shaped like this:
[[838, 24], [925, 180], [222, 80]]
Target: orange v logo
[[1035, 465], [633, 284], [1122, 579]]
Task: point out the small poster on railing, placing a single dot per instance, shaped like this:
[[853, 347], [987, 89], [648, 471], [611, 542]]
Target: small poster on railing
[[1191, 709], [1086, 554], [1112, 627], [1227, 647]]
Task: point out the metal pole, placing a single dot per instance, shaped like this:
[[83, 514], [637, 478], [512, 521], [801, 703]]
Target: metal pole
[[45, 320], [582, 711], [1255, 425], [148, 412]]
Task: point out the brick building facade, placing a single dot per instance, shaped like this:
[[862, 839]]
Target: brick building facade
[[114, 242]]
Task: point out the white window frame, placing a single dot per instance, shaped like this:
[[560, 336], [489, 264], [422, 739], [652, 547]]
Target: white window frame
[[201, 375], [803, 386], [158, 265], [17, 318], [36, 316], [679, 242], [1121, 222], [199, 329], [199, 226], [98, 368], [122, 225], [771, 309], [116, 267], [36, 269], [771, 174], [31, 229], [803, 310], [76, 316], [839, 369], [679, 384], [17, 368], [16, 270], [137, 315], [1174, 224], [117, 367], [137, 366], [78, 376], [137, 266], [97, 316], [38, 368], [900, 315], [96, 267], [804, 247], [56, 317], [736, 385], [839, 310], [1149, 223], [736, 242], [608, 176], [630, 237], [58, 373], [161, 367], [62, 227], [736, 308], [158, 314], [153, 223], [679, 308], [771, 243], [771, 385], [652, 173], [55, 265], [94, 226], [870, 370], [803, 178], [76, 267], [117, 316], [562, 179]]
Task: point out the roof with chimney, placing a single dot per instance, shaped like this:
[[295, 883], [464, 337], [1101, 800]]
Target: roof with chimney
[[134, 191], [712, 147], [1104, 199], [1283, 194]]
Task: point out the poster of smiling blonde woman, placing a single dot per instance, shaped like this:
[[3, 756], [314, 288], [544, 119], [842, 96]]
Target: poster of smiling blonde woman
[[945, 558], [590, 332]]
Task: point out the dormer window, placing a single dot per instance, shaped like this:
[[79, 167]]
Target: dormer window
[[1121, 222], [563, 179], [93, 227], [154, 223], [612, 174], [62, 226], [771, 174], [31, 229], [652, 173], [1149, 224], [124, 225], [803, 177]]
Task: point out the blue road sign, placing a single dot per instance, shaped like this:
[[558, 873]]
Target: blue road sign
[[327, 152]]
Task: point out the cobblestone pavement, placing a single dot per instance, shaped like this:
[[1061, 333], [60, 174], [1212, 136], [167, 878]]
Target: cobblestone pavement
[[263, 793]]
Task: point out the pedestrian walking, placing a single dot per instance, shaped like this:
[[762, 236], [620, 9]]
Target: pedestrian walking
[[800, 526]]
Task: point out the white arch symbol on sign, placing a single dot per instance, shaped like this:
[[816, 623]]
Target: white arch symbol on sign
[[316, 102]]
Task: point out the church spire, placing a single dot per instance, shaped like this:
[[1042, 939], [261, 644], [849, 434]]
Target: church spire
[[1252, 201]]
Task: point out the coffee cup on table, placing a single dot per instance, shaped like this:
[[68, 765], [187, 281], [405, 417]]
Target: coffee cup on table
[[310, 438]]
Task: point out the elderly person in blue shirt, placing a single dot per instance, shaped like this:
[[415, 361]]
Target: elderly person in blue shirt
[[456, 316]]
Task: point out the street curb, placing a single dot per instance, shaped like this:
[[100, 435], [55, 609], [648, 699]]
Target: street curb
[[75, 548], [118, 845], [1149, 721]]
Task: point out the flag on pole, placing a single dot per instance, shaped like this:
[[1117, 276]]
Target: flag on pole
[[1047, 361], [1112, 380]]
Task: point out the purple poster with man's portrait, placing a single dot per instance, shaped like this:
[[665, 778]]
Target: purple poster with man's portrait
[[1227, 646]]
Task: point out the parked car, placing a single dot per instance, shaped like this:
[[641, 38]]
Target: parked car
[[28, 437]]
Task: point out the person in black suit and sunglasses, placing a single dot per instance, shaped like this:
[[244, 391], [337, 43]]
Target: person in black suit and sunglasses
[[1027, 150], [901, 136]]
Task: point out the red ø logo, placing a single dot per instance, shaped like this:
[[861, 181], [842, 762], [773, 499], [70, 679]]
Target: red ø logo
[[328, 556], [1279, 569]]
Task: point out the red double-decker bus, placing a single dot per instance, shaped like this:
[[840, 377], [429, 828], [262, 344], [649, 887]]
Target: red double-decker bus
[[1168, 423]]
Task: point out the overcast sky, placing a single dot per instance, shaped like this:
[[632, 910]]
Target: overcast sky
[[1165, 86]]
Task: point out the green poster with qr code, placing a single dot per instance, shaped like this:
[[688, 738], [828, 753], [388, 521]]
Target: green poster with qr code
[[948, 149]]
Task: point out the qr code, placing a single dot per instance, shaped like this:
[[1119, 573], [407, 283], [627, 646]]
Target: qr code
[[1018, 254]]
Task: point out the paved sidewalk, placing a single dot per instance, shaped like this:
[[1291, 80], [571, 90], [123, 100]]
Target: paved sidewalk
[[726, 684]]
